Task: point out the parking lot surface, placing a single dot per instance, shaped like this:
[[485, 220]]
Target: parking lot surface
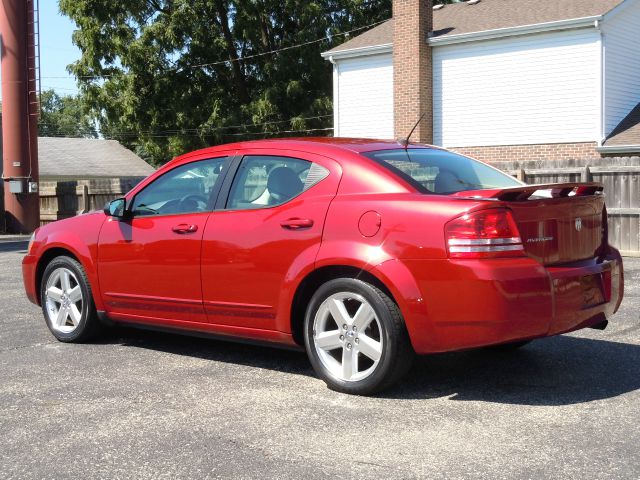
[[140, 404]]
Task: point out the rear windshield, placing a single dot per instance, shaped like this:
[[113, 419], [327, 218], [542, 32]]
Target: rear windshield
[[441, 172]]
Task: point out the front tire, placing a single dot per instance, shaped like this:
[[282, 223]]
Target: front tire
[[356, 338], [67, 301]]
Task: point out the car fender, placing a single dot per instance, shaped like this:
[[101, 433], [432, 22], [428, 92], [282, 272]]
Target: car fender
[[329, 254], [391, 272], [84, 249], [402, 284], [360, 254]]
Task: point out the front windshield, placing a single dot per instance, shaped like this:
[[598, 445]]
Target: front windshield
[[441, 172]]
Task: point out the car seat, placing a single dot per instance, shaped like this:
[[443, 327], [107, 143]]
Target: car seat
[[446, 182], [283, 184]]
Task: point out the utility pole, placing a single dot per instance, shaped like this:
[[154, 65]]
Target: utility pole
[[19, 116]]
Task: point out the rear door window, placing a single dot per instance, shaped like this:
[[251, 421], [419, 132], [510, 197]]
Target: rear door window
[[266, 181]]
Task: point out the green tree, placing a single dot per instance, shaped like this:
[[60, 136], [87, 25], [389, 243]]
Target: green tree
[[64, 116], [161, 76]]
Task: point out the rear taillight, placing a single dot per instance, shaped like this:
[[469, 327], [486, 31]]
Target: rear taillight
[[484, 234]]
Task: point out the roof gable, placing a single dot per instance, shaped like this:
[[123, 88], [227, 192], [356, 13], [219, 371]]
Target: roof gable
[[80, 158], [461, 18], [627, 132]]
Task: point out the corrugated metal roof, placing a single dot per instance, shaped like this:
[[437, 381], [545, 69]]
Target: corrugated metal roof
[[461, 18], [88, 158]]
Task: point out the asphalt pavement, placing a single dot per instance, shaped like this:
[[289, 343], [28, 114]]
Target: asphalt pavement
[[140, 404]]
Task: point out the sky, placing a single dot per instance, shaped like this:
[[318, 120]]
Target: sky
[[56, 49]]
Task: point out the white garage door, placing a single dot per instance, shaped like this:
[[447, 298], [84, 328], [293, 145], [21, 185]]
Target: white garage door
[[518, 90], [364, 97]]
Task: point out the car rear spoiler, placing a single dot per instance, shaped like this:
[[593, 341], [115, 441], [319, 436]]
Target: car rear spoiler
[[518, 194]]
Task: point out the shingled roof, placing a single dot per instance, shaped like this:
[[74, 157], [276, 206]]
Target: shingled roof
[[460, 18], [84, 158], [627, 133]]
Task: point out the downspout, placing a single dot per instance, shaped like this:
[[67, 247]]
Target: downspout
[[602, 84], [336, 97]]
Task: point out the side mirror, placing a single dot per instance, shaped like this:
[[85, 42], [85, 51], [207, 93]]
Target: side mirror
[[116, 208]]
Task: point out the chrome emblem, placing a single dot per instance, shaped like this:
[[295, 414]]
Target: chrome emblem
[[539, 239], [578, 224]]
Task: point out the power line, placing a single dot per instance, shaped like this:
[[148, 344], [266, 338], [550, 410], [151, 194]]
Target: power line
[[281, 132], [266, 134], [203, 130], [51, 87], [216, 129], [291, 47], [239, 59]]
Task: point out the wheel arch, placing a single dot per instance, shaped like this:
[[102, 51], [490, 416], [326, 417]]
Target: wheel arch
[[45, 259], [314, 279]]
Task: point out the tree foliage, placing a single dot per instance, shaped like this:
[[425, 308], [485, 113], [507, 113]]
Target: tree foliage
[[64, 116], [162, 77]]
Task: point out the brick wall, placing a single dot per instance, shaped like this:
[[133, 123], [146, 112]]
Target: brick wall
[[412, 76], [551, 151]]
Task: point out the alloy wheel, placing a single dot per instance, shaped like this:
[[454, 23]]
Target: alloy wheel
[[64, 301], [347, 336]]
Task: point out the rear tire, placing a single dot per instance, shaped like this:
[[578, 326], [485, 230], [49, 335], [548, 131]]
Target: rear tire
[[356, 338], [67, 301]]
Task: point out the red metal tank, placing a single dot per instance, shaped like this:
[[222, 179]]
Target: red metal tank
[[19, 114]]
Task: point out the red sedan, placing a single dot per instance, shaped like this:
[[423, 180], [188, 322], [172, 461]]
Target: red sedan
[[363, 252]]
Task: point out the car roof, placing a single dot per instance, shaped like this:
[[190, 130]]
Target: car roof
[[319, 145]]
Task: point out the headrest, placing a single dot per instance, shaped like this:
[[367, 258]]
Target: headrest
[[284, 183]]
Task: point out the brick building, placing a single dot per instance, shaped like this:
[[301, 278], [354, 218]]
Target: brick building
[[497, 79]]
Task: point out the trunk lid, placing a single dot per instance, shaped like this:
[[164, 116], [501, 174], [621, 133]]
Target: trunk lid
[[559, 223]]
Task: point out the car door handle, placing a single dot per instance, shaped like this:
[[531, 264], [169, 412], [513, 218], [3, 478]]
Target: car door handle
[[184, 228], [297, 223]]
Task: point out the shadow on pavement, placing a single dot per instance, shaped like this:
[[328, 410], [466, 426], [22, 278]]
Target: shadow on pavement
[[14, 247], [273, 358], [554, 371]]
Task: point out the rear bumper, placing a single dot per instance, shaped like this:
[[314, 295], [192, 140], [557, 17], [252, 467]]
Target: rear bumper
[[472, 303], [29, 264], [586, 294]]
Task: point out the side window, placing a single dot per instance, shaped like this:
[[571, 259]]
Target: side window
[[185, 189], [266, 181]]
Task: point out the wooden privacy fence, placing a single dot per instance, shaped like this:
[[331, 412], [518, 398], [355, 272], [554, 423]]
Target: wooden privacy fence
[[64, 199], [620, 177]]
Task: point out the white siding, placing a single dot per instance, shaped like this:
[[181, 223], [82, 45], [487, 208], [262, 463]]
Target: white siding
[[542, 88], [621, 30], [364, 97]]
